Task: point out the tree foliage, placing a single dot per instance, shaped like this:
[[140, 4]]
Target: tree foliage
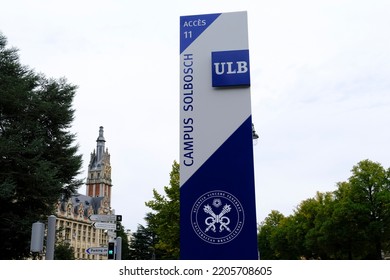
[[63, 251], [266, 236], [352, 222], [38, 159], [165, 218], [143, 244]]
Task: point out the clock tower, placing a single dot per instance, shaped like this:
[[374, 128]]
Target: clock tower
[[99, 173]]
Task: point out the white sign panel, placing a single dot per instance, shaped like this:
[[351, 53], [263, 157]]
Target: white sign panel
[[111, 233], [102, 218], [108, 226]]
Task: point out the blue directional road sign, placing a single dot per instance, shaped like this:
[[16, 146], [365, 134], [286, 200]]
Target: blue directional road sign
[[97, 251]]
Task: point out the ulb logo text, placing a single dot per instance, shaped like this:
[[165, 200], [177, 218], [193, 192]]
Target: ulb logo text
[[230, 68]]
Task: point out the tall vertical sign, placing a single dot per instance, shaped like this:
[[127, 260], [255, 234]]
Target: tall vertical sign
[[217, 193]]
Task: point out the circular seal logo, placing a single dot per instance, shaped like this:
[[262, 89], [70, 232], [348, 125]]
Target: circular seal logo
[[217, 217]]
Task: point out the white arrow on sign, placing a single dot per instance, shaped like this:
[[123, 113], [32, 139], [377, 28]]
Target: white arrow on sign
[[108, 226], [97, 251], [102, 218]]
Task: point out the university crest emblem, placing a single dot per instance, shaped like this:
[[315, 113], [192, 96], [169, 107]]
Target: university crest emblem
[[217, 217]]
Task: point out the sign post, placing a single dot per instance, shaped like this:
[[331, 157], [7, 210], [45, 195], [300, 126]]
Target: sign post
[[217, 192], [106, 222]]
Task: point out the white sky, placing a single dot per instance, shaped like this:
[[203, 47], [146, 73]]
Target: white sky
[[320, 73]]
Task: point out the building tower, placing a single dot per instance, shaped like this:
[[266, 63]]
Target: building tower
[[73, 224], [99, 173]]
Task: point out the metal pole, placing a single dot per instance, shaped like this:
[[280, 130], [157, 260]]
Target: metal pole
[[51, 236], [118, 248]]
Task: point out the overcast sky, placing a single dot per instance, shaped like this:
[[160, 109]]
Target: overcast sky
[[320, 85]]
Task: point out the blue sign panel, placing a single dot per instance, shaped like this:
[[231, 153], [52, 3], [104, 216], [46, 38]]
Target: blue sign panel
[[217, 203], [192, 26], [217, 188], [230, 68]]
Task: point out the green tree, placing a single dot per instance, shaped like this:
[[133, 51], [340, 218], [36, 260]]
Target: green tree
[[348, 238], [63, 251], [125, 250], [310, 217], [38, 159], [353, 222], [370, 199], [165, 220], [267, 230], [142, 245], [324, 234]]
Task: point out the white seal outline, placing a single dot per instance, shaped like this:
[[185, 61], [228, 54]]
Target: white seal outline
[[198, 206]]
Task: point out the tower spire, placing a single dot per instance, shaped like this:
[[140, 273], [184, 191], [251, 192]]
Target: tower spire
[[100, 144], [99, 170]]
